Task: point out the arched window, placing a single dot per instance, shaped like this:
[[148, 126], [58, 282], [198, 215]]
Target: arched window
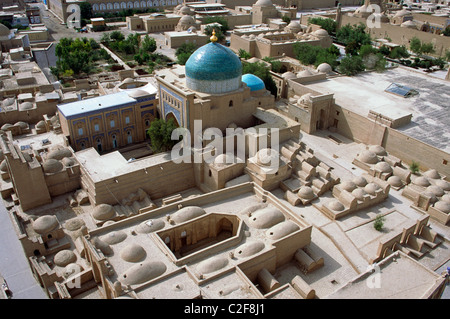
[[231, 103], [123, 5]]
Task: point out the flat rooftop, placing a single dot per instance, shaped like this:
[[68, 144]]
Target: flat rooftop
[[96, 104], [429, 109], [402, 277], [111, 165]]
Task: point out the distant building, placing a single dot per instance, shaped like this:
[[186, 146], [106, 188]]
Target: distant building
[[110, 121]]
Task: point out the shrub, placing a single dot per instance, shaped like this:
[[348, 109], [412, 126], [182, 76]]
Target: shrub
[[379, 222], [414, 167]]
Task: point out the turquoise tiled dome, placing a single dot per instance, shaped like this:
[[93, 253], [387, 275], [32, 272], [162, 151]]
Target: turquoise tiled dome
[[253, 82], [213, 68]]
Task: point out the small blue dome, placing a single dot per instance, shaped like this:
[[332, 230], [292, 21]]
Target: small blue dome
[[253, 82], [213, 62]]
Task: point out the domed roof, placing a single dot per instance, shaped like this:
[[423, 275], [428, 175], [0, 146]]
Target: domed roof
[[6, 126], [185, 10], [133, 253], [4, 31], [383, 167], [288, 75], [421, 181], [442, 206], [40, 124], [321, 33], [443, 184], [253, 82], [64, 257], [103, 212], [349, 186], [213, 68], [264, 3], [187, 213], [294, 26], [360, 181], [212, 264], [8, 101], [267, 156], [402, 13], [432, 173], [26, 106], [150, 226], [324, 68], [249, 249], [371, 188], [446, 198], [4, 166], [304, 73], [68, 161], [52, 166], [21, 124], [142, 272], [436, 190], [281, 229], [335, 205], [59, 154], [138, 93], [114, 237], [378, 149], [187, 20], [45, 224], [306, 192], [409, 24], [265, 217], [359, 193], [368, 157], [395, 181]]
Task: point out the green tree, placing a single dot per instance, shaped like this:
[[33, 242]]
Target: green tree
[[314, 55], [244, 54], [85, 10], [446, 32], [427, 48], [353, 36], [327, 24], [286, 19], [116, 35], [148, 44], [223, 23], [160, 133], [184, 51], [275, 64], [379, 222], [399, 52], [414, 167], [416, 45], [351, 65]]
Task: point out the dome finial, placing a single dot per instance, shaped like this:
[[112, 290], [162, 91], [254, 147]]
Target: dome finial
[[213, 38]]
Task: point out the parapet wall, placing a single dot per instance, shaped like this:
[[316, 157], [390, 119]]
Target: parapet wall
[[364, 130]]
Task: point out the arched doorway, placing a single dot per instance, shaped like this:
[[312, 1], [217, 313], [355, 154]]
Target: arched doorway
[[172, 116]]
